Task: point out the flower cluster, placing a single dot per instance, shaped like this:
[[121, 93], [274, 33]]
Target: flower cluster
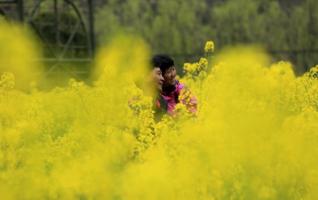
[[7, 81], [196, 70], [255, 136], [209, 47]]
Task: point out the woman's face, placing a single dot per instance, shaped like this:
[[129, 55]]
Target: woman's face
[[157, 78], [170, 76]]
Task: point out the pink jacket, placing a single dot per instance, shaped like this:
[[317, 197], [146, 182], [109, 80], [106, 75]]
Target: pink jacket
[[172, 98]]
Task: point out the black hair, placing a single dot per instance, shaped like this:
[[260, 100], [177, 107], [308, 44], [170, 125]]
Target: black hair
[[162, 61]]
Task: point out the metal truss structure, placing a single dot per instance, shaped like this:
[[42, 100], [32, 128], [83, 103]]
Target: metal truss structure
[[65, 27]]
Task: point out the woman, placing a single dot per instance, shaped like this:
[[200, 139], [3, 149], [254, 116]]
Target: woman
[[173, 92]]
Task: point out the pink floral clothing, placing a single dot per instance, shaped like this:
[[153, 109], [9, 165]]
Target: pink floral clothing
[[172, 98]]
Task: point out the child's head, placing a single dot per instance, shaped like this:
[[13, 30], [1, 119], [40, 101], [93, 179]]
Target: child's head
[[166, 65]]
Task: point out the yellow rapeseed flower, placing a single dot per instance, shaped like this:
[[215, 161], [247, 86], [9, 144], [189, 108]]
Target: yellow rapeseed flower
[[209, 46]]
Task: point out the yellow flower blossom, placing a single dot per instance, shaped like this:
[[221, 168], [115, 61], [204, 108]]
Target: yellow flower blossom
[[209, 46], [255, 136]]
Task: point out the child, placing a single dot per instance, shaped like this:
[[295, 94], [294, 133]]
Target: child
[[173, 92]]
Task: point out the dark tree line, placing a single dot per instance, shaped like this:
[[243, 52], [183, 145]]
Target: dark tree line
[[288, 29]]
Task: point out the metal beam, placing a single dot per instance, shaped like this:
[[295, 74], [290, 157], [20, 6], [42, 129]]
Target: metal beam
[[56, 23], [20, 9], [8, 1], [57, 48], [91, 26]]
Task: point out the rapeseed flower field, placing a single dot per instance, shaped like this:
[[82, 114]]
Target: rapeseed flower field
[[255, 135]]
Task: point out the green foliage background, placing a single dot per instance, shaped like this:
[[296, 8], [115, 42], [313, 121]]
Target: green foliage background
[[288, 29]]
